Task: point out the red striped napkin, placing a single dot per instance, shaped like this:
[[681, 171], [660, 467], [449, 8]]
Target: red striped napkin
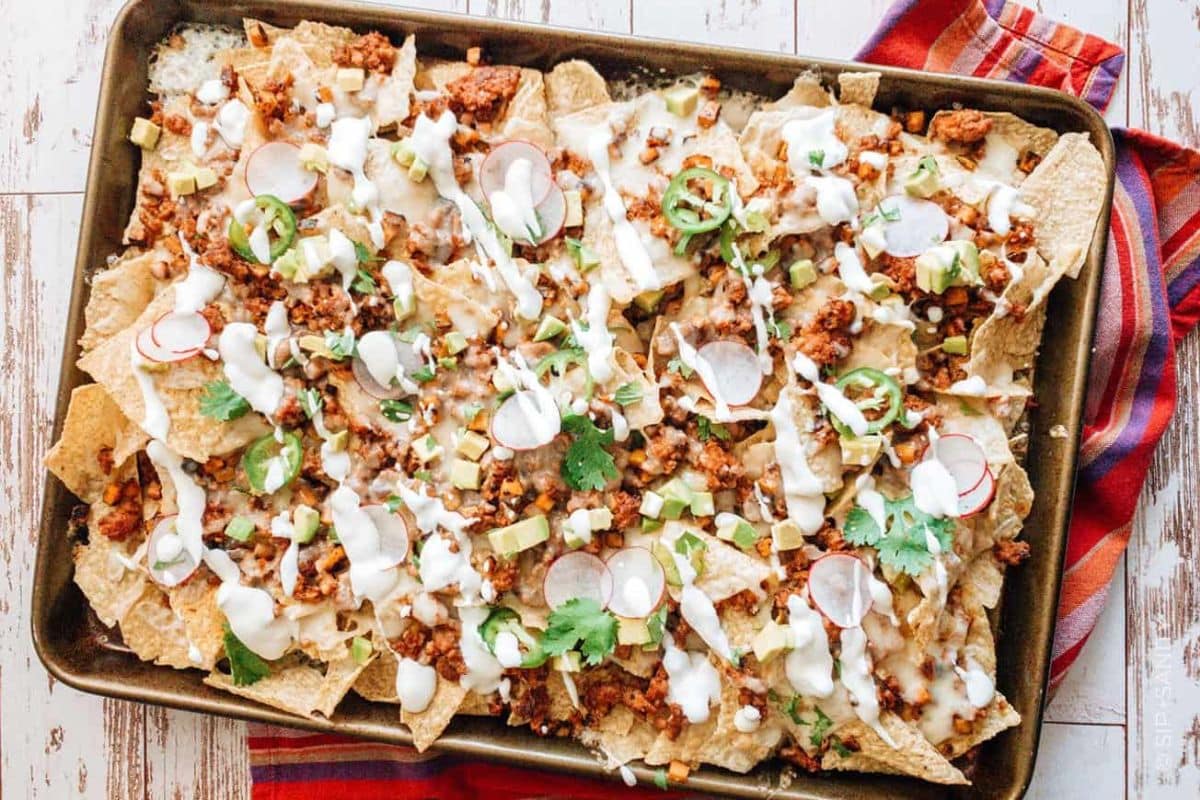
[[1152, 274]]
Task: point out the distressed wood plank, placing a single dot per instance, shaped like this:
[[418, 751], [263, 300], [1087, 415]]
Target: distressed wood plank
[[192, 756], [836, 30], [1163, 584], [602, 15], [1079, 762], [54, 741], [758, 24]]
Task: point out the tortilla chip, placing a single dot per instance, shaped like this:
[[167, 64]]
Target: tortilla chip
[[394, 99], [153, 630], [959, 415], [377, 682], [525, 117], [806, 91], [1005, 516], [111, 588], [985, 576], [296, 687], [998, 717], [195, 602], [93, 423], [574, 85], [469, 304], [883, 346], [858, 88], [913, 754], [727, 570], [621, 737], [427, 726], [1066, 191], [192, 434], [825, 461], [476, 705], [647, 411], [118, 295], [1014, 137]]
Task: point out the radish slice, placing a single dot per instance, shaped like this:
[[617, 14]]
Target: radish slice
[[577, 574], [156, 353], [275, 169], [839, 585], [979, 498], [736, 369], [920, 225], [495, 167], [181, 332], [638, 582], [393, 535], [963, 458], [552, 213], [520, 423], [409, 359], [170, 564]]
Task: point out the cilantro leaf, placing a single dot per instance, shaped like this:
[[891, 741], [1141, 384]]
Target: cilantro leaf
[[424, 374], [341, 345], [221, 402], [860, 528], [905, 546], [839, 748], [657, 624], [364, 283], [245, 666], [660, 778], [816, 158], [364, 255], [677, 366], [780, 329], [396, 410], [587, 466], [628, 394], [820, 727], [581, 621], [792, 709], [394, 503], [310, 402], [558, 361], [706, 429], [928, 164]]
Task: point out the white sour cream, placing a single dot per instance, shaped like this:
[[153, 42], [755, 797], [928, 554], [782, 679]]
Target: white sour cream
[[415, 685], [231, 122], [859, 682], [630, 247], [802, 489], [693, 682], [809, 665], [247, 373]]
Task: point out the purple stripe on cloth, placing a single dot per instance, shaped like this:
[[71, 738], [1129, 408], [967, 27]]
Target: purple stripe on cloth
[[1026, 62], [350, 770], [1104, 81], [1134, 182]]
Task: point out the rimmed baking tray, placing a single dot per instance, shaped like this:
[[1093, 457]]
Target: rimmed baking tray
[[76, 649]]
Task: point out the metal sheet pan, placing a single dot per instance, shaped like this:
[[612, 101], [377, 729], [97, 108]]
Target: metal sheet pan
[[77, 650]]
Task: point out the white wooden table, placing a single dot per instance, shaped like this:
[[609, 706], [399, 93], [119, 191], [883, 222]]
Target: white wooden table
[[1127, 722]]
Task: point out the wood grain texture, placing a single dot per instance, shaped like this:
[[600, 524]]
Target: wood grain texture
[[55, 742]]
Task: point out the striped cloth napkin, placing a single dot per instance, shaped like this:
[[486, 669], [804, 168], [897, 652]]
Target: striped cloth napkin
[[1152, 274]]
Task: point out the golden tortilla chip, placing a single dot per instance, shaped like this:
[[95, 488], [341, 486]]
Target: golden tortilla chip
[[476, 705], [999, 717], [377, 682], [118, 294], [574, 85], [858, 88], [393, 102], [195, 602], [468, 304], [427, 726], [620, 737], [884, 347], [913, 754], [985, 576], [103, 574], [1066, 191], [180, 386], [93, 423], [153, 630], [806, 91], [296, 687]]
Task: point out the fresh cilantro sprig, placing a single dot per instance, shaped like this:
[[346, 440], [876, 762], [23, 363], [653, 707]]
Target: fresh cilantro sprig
[[905, 546], [677, 366], [558, 361], [628, 394], [587, 466], [580, 621], [221, 402], [310, 401], [816, 158], [245, 666], [340, 345], [706, 429], [364, 282], [820, 727]]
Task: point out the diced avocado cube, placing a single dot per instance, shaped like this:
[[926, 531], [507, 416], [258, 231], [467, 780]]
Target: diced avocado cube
[[181, 183], [418, 169], [702, 504], [205, 178], [574, 216], [427, 449], [144, 133], [314, 157], [501, 381], [632, 631], [649, 525], [550, 327], [464, 474], [339, 441], [600, 519], [872, 239], [240, 528], [403, 153], [676, 497], [934, 274], [586, 259], [350, 79], [456, 342], [682, 100], [786, 535], [673, 507], [802, 273], [861, 450], [519, 536], [305, 521], [880, 291], [315, 345], [471, 445], [663, 555], [567, 662], [733, 528], [955, 345], [652, 505], [361, 650], [772, 640], [923, 182], [648, 301], [968, 260]]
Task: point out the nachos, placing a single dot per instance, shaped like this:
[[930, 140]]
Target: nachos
[[477, 389]]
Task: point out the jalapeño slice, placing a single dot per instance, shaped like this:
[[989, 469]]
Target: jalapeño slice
[[280, 221], [870, 390], [692, 213], [262, 453]]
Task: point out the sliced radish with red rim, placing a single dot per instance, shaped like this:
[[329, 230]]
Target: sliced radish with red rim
[[638, 582], [393, 534], [409, 358], [577, 575], [275, 169], [963, 458], [516, 429], [155, 353], [552, 213], [495, 166], [736, 370], [168, 558], [979, 498], [840, 587], [181, 332], [916, 226]]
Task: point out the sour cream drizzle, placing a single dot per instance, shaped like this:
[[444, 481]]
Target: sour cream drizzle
[[250, 611], [802, 490], [595, 339], [856, 677], [809, 664], [372, 573], [245, 370], [189, 497], [512, 207], [415, 685], [535, 400], [431, 142], [934, 489], [838, 404], [630, 247], [693, 682]]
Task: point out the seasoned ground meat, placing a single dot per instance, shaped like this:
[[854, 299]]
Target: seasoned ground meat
[[126, 516], [371, 51], [484, 91], [964, 126], [1011, 552], [824, 339], [624, 507]]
